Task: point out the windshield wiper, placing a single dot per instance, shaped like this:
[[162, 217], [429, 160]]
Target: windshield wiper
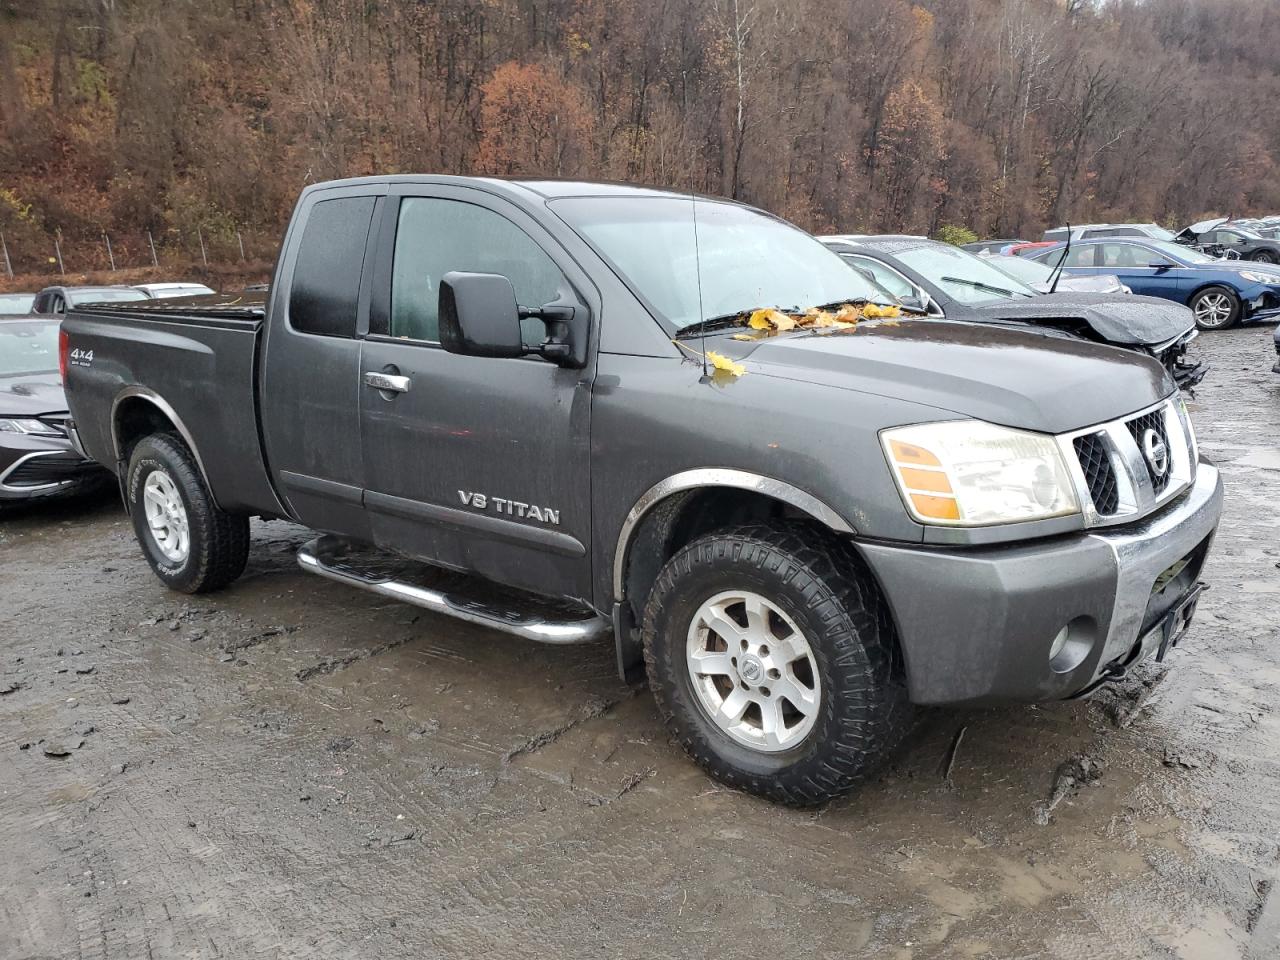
[[712, 323], [992, 288]]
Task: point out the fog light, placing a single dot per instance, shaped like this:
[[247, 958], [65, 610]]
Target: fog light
[[1059, 642], [1072, 644]]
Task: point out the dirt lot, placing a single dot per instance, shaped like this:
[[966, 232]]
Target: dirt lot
[[295, 769]]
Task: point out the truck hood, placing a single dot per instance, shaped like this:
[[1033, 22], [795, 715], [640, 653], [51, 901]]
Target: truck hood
[[31, 394], [1120, 319], [1016, 377]]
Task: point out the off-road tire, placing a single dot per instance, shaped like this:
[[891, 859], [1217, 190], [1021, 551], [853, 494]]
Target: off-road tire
[[1232, 318], [825, 587], [219, 545]]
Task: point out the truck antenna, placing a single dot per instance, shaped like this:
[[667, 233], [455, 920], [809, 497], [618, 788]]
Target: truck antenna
[[1053, 287], [697, 270]]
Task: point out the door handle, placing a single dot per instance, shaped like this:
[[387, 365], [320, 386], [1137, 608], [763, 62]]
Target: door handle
[[386, 381]]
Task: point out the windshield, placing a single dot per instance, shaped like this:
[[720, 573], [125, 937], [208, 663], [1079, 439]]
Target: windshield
[[16, 303], [104, 295], [746, 259], [1159, 233], [28, 347], [965, 277]]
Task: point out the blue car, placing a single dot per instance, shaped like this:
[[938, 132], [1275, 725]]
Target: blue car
[[1221, 293]]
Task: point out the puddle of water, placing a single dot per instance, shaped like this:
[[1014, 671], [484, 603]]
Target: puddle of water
[[1268, 459]]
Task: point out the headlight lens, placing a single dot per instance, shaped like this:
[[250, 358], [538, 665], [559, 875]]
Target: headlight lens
[[1252, 277], [969, 473], [27, 425]]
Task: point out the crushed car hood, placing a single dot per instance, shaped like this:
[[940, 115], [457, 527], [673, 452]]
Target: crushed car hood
[[1126, 320], [1204, 226], [1006, 375], [31, 394]]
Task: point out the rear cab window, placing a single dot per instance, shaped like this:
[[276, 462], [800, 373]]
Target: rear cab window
[[325, 291]]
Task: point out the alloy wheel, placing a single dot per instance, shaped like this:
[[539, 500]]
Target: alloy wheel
[[166, 516], [1213, 309], [753, 671]]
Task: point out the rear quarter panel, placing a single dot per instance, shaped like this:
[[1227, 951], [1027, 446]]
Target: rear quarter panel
[[203, 369]]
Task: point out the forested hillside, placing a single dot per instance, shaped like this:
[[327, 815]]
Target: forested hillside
[[201, 118]]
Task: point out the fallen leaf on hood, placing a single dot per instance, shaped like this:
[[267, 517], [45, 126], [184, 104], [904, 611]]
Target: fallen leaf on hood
[[769, 319], [723, 363], [725, 368], [744, 336], [876, 311]]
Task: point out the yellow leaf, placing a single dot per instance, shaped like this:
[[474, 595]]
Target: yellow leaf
[[874, 310], [743, 336], [819, 318], [767, 319], [848, 314], [721, 362]]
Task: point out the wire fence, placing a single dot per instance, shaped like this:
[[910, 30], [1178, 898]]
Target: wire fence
[[56, 255]]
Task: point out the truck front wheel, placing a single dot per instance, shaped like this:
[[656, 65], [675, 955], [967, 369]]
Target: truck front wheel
[[192, 546], [771, 655]]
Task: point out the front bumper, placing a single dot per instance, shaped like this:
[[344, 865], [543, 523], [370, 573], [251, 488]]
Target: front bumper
[[34, 468], [978, 625]]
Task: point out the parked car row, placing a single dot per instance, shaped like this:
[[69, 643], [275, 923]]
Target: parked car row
[[1220, 292], [946, 281], [37, 459], [59, 299], [801, 486]]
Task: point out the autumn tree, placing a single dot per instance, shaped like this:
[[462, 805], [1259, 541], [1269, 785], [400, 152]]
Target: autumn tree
[[533, 122]]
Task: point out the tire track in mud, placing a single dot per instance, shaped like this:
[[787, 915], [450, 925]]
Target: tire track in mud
[[334, 664]]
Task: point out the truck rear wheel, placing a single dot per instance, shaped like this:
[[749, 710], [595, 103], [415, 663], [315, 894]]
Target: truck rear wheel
[[192, 546], [771, 655]]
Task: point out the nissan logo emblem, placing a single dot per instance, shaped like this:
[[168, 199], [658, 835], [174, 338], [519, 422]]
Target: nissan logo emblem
[[1156, 452]]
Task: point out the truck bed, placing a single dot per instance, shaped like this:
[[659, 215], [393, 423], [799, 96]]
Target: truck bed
[[197, 356]]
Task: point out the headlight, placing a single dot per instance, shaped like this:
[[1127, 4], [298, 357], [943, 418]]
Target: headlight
[[1269, 278], [969, 473], [26, 425]]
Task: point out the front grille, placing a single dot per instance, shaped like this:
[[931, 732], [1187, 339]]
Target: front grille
[[1116, 473], [1099, 472], [39, 471], [1138, 429]]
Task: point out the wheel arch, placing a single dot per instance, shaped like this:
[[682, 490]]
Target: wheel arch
[[138, 412], [675, 510], [1224, 284]]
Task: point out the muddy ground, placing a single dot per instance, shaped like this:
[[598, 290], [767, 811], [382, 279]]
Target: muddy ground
[[292, 768]]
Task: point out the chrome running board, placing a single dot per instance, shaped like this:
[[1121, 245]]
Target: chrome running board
[[456, 595]]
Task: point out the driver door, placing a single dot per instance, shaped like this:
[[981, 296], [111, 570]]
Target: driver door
[[475, 463]]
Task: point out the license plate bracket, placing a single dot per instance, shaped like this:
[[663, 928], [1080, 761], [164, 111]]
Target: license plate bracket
[[1176, 621]]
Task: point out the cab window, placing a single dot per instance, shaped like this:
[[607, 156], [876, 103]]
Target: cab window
[[326, 277], [435, 236]]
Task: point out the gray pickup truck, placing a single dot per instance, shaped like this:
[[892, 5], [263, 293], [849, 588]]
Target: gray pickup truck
[[553, 408]]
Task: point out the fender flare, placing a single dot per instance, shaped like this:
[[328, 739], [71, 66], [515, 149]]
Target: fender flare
[[157, 401], [715, 477]]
